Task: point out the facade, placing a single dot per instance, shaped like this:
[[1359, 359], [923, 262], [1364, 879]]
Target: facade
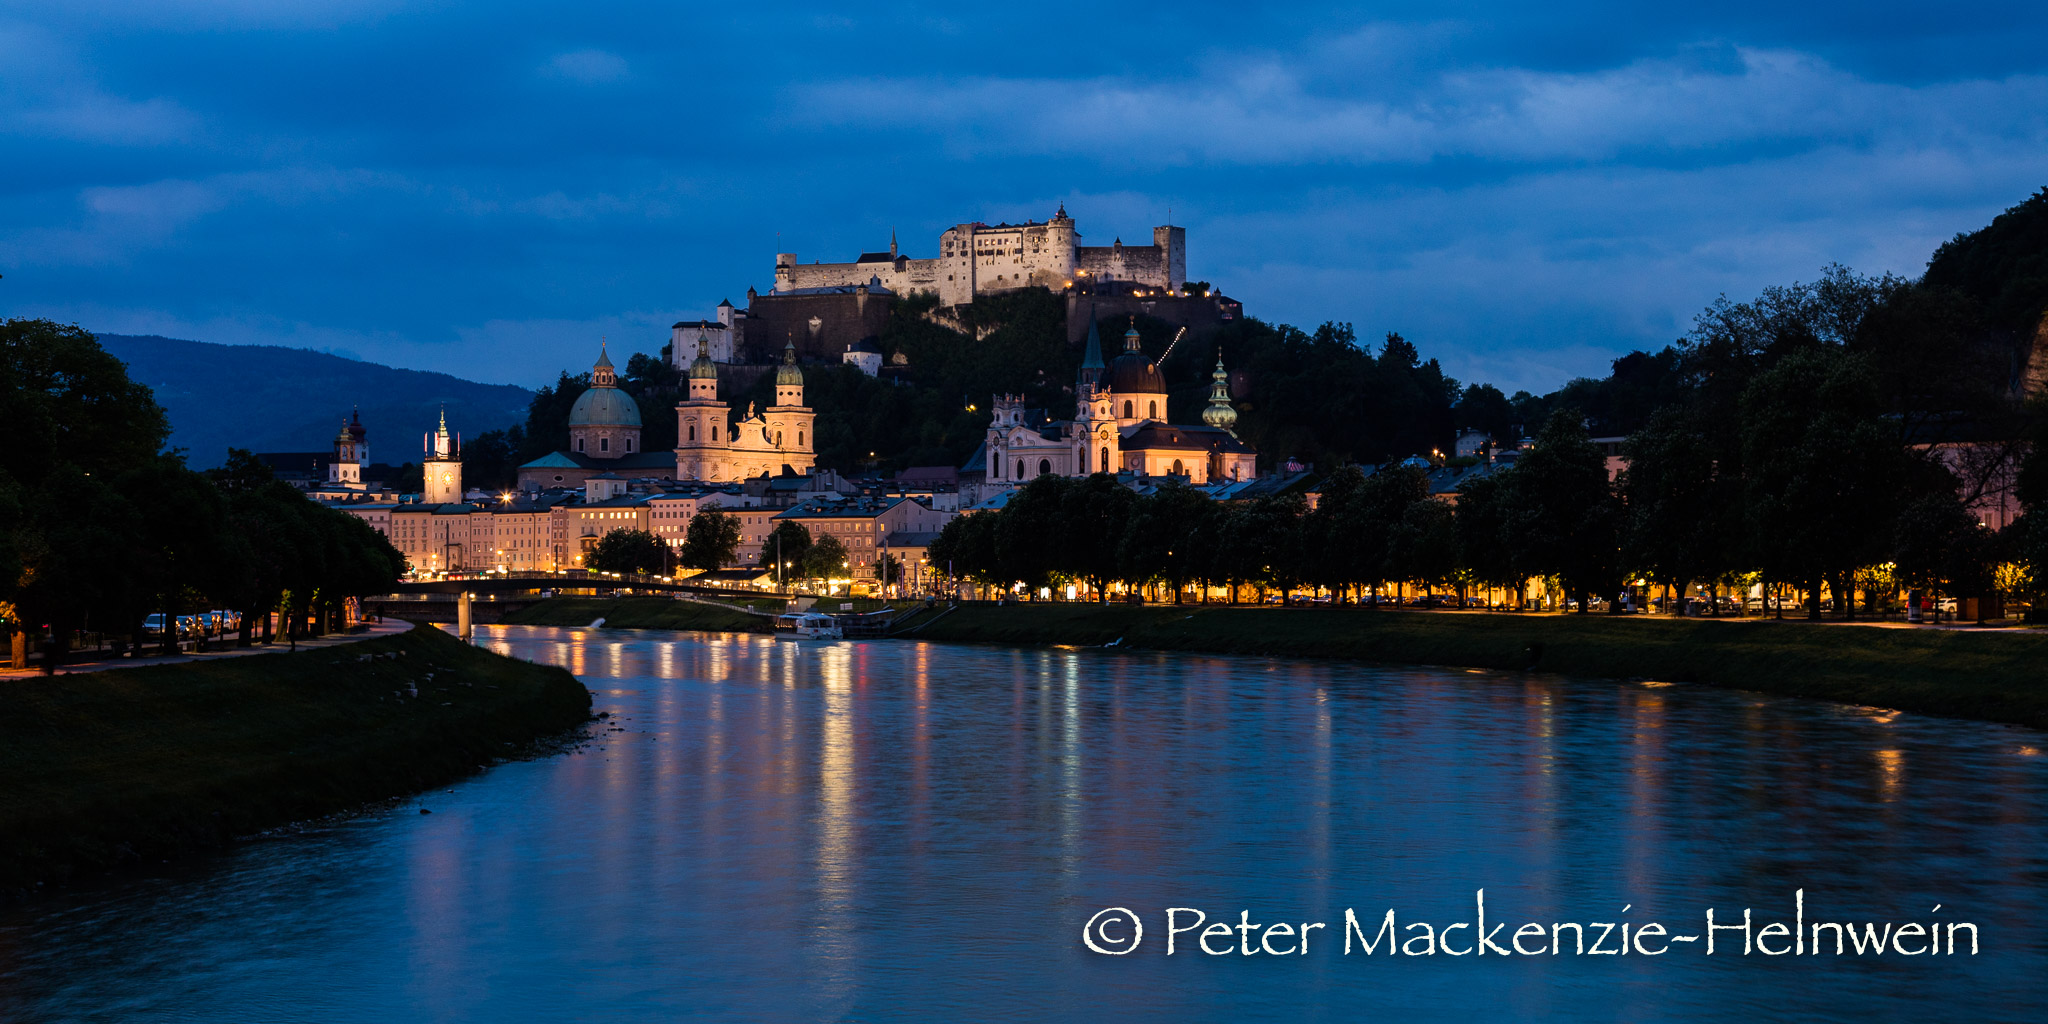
[[441, 470], [978, 259], [863, 525], [1119, 426], [712, 448], [721, 337]]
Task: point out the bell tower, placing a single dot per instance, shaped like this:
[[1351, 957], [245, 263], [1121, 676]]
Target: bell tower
[[442, 467]]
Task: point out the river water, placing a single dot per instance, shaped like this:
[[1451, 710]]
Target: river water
[[795, 831]]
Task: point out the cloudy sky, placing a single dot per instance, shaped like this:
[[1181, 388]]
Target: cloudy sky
[[487, 189]]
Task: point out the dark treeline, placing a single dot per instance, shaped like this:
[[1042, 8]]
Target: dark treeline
[[100, 527], [1829, 436]]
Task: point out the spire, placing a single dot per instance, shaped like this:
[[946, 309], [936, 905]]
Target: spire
[[1220, 413], [892, 242], [1091, 359], [601, 375]]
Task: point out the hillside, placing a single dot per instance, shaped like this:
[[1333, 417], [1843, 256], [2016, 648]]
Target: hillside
[[267, 398]]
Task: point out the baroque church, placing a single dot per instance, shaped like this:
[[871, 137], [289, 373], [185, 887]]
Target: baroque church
[[605, 432], [1119, 426]]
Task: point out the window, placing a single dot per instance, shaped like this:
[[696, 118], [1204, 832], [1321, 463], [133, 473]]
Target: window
[[778, 439], [693, 431], [1044, 466], [1020, 469], [1105, 460], [799, 439], [604, 444], [714, 431], [1127, 410], [629, 444], [579, 447], [1152, 410], [1176, 467]]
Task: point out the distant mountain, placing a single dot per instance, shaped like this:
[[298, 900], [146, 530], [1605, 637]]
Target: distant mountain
[[266, 398]]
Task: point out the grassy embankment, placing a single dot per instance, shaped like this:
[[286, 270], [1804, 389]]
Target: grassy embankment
[[107, 768], [644, 613], [1995, 675]]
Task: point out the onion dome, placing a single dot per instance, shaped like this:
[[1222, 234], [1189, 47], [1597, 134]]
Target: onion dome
[[1220, 413], [789, 373], [702, 368]]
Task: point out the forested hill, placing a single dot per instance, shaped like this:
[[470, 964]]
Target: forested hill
[[268, 398]]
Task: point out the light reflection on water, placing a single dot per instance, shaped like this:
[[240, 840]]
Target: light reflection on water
[[813, 831]]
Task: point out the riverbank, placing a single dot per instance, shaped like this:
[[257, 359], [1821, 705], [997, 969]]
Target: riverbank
[[641, 613], [1997, 676], [110, 768]]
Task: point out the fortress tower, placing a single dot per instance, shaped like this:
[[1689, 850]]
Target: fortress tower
[[442, 469]]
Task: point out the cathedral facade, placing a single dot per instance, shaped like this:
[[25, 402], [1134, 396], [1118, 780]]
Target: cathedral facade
[[711, 446], [1120, 426]]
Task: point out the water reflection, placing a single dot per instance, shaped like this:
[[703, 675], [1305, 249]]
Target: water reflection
[[786, 831]]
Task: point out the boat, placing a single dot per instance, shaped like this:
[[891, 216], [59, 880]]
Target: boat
[[813, 626]]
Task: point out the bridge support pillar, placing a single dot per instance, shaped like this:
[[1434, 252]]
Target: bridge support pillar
[[463, 627]]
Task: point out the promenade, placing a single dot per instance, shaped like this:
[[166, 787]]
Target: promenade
[[388, 627]]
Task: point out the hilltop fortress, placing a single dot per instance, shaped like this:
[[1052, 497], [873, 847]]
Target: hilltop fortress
[[982, 259]]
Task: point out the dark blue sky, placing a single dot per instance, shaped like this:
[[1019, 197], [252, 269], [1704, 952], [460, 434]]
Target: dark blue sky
[[486, 189]]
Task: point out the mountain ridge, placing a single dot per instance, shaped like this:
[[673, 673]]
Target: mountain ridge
[[273, 398]]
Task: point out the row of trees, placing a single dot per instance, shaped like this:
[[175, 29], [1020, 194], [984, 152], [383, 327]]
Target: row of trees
[[1827, 499], [711, 541], [100, 527]]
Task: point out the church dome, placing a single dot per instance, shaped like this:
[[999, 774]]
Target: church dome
[[789, 373], [702, 368], [604, 407], [1132, 373]]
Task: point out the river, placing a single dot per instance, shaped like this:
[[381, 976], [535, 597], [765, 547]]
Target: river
[[794, 831]]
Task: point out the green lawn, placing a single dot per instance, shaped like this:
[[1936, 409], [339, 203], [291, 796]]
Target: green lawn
[[107, 768], [1995, 675], [645, 613]]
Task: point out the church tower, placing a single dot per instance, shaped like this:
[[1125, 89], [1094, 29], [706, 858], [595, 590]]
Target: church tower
[[702, 427], [442, 468], [351, 451], [1220, 413], [790, 427]]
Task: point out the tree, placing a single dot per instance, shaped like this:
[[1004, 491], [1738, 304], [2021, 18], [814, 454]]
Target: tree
[[1682, 512], [1092, 517], [65, 401], [629, 551], [826, 559], [787, 545], [1160, 541], [1481, 528], [1030, 543], [242, 472], [966, 549], [711, 541], [888, 569], [1824, 471], [1562, 519]]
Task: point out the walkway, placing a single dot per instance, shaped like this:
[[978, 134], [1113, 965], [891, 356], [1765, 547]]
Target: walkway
[[389, 627]]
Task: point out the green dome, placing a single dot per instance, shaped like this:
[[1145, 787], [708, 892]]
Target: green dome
[[604, 407], [789, 372], [702, 368]]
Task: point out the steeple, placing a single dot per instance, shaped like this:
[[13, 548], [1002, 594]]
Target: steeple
[[601, 375], [1131, 337], [1091, 359], [702, 368], [892, 243], [1220, 413], [789, 373]]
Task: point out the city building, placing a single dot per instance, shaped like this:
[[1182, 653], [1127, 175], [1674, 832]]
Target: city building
[[1119, 426], [711, 447], [441, 471], [978, 259]]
